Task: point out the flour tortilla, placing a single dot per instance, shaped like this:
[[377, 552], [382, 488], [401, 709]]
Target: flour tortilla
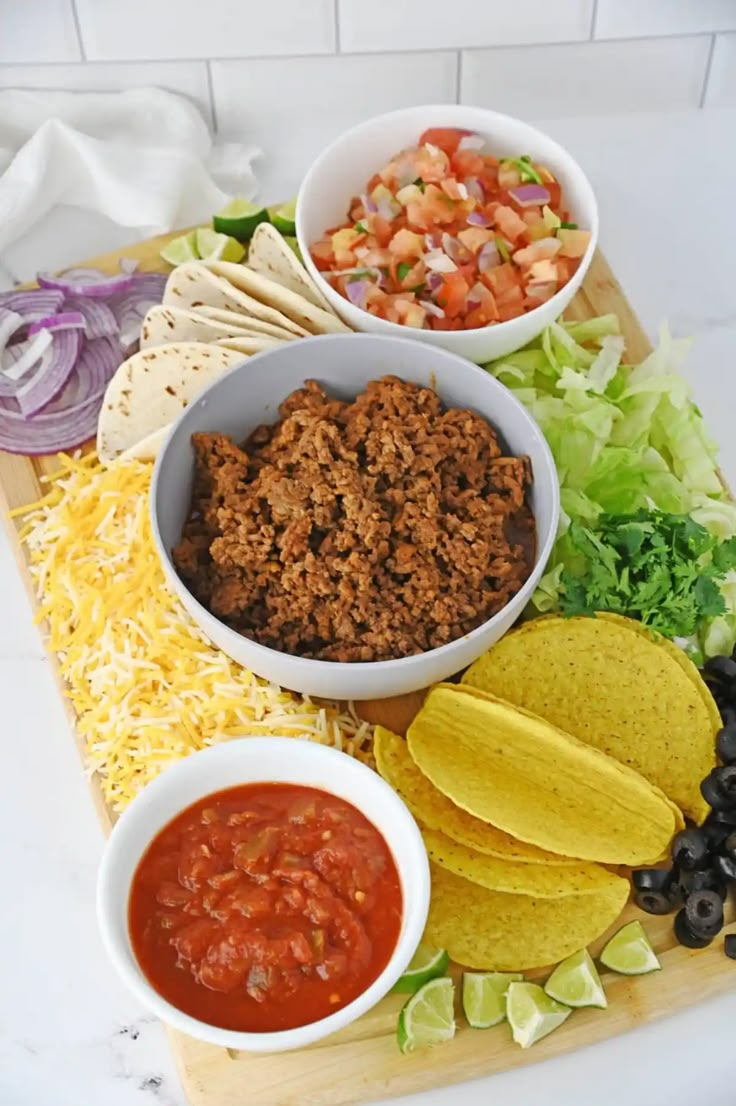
[[152, 387], [148, 448], [248, 344], [270, 256], [253, 326], [295, 307], [164, 325], [193, 284]]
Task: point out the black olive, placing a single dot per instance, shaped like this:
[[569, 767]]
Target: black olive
[[704, 913], [715, 834], [726, 780], [689, 849], [654, 902], [723, 668], [685, 935], [651, 879], [728, 847], [722, 818], [711, 791], [729, 946], [728, 715], [726, 743], [726, 867], [704, 879]]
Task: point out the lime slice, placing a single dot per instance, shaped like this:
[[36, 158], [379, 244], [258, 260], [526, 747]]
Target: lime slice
[[425, 964], [484, 997], [629, 952], [181, 249], [532, 1014], [239, 219], [428, 1018], [212, 246], [284, 217], [576, 982], [292, 243]]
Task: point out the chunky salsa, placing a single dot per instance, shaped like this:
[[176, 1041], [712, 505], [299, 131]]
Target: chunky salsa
[[446, 237], [264, 907]]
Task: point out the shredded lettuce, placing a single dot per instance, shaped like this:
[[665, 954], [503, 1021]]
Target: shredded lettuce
[[624, 438]]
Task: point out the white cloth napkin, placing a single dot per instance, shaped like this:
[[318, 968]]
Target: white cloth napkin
[[143, 159]]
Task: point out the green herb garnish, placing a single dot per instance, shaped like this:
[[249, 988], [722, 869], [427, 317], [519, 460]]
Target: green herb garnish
[[527, 172], [660, 568], [403, 269], [361, 228], [502, 248], [568, 226]]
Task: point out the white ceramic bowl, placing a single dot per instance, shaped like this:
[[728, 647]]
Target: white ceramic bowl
[[255, 760], [343, 169], [249, 395]]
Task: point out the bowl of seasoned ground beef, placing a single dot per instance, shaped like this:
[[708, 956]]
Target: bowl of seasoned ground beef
[[355, 516]]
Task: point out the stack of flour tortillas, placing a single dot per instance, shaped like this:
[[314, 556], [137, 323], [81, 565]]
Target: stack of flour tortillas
[[214, 313]]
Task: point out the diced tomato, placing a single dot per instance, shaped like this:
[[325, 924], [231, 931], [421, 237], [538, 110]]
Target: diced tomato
[[467, 163], [474, 238], [431, 165], [502, 280], [452, 294], [509, 223], [447, 138], [383, 231], [322, 254], [508, 175], [537, 251], [574, 243], [405, 244], [415, 276]]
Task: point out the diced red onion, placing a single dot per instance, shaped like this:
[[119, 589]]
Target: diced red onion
[[87, 282], [52, 374], [472, 142], [528, 195], [67, 320], [434, 281], [439, 262], [431, 241], [356, 292], [541, 290], [432, 308], [368, 204], [387, 208], [489, 257], [18, 359], [361, 270], [478, 219], [452, 247], [475, 189], [405, 171]]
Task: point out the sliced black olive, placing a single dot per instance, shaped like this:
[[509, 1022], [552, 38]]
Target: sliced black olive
[[723, 668], [711, 791], [726, 781], [689, 849], [722, 818], [729, 946], [651, 879], [728, 847], [715, 834], [728, 715], [726, 744], [685, 935], [654, 902], [704, 913], [704, 879], [725, 866]]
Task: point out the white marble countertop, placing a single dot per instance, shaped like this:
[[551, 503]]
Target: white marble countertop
[[69, 1034]]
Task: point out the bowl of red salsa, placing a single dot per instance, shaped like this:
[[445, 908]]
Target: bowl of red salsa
[[263, 893], [455, 225]]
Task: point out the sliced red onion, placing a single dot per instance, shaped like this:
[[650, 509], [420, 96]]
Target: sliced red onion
[[49, 432], [96, 365], [475, 189], [356, 292], [528, 195], [99, 321], [432, 308], [18, 359], [478, 219], [33, 304], [10, 321], [130, 307], [67, 320], [128, 264], [87, 282], [434, 282], [368, 204], [452, 247], [52, 373], [431, 241], [472, 142], [489, 257]]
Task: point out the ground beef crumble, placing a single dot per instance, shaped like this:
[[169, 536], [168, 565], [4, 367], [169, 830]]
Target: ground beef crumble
[[358, 531]]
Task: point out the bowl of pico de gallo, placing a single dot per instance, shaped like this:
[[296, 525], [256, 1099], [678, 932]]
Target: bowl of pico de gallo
[[455, 225]]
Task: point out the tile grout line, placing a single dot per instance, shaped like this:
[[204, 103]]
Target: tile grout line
[[708, 66], [459, 78], [593, 21], [336, 17], [211, 91], [78, 28]]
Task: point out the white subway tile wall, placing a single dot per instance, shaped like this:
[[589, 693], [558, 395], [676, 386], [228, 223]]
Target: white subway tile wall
[[295, 72]]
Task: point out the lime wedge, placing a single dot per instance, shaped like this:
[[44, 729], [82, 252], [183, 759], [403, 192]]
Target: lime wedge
[[576, 982], [239, 219], [428, 1018], [292, 243], [425, 964], [212, 246], [484, 997], [284, 217], [629, 952], [532, 1014], [181, 249]]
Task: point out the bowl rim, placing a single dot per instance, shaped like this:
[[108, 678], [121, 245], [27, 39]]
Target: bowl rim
[[384, 326], [338, 668], [414, 876]]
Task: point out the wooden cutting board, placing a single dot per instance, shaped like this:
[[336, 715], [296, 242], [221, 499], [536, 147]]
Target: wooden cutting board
[[362, 1062]]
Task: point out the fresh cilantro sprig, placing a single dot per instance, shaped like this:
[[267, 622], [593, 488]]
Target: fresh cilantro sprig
[[662, 569]]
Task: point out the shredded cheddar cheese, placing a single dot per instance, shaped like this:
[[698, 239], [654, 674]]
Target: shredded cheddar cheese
[[147, 686]]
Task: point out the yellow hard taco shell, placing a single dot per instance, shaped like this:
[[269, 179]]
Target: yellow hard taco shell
[[614, 685], [515, 770]]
